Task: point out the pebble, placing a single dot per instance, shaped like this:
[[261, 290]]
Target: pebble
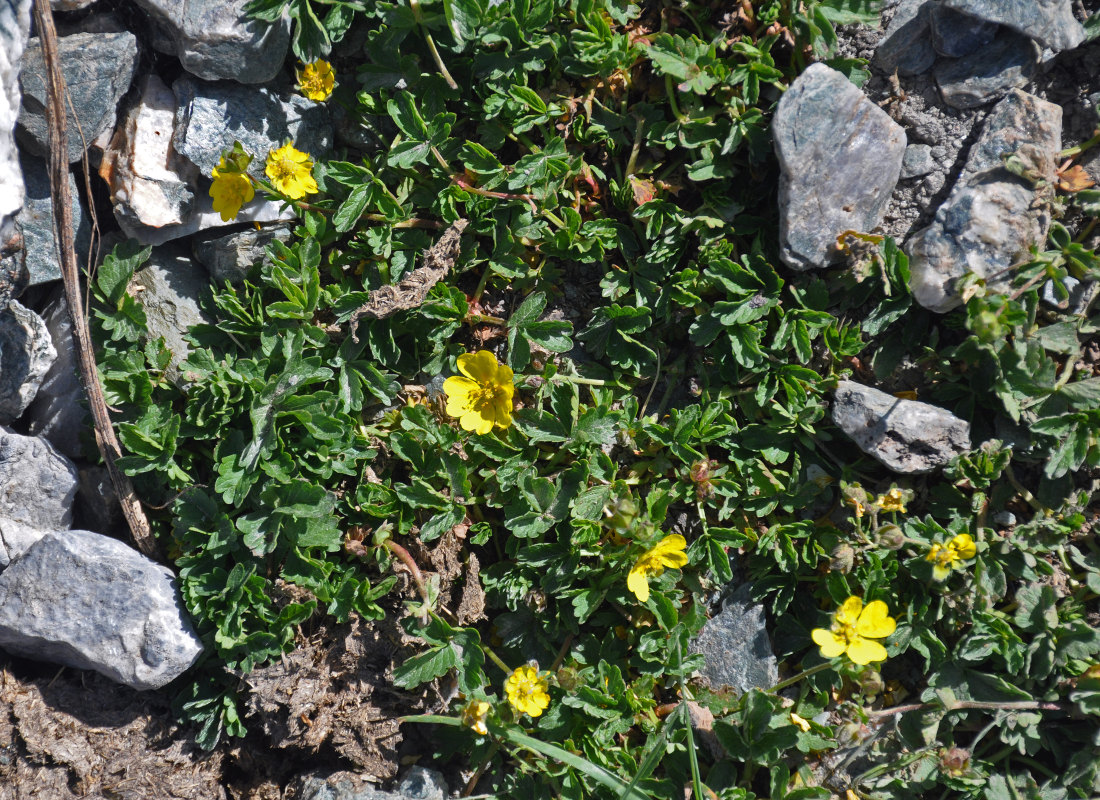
[[917, 161]]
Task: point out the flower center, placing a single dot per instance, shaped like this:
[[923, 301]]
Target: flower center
[[483, 395], [284, 168]]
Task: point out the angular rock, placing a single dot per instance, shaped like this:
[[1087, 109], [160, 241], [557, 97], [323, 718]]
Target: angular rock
[[37, 483], [15, 25], [171, 288], [26, 353], [906, 436], [35, 223], [204, 217], [88, 601], [1008, 62], [58, 412], [151, 186], [98, 69], [211, 116], [418, 784], [955, 34], [216, 40], [69, 5], [907, 46], [991, 217], [735, 646], [840, 157], [232, 256], [1049, 22], [917, 161], [15, 539]]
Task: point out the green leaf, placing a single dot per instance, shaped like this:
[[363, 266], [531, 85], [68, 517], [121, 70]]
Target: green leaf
[[435, 663], [352, 208]]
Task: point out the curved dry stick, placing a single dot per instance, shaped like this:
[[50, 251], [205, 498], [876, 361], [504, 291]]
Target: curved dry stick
[[63, 225]]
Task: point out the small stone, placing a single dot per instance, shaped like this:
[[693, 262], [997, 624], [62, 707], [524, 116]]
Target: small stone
[[906, 436], [917, 161], [955, 34], [232, 256], [421, 783], [37, 483], [1008, 62], [35, 222], [907, 46], [88, 601], [1006, 519], [171, 288], [217, 40], [26, 353], [98, 69], [1080, 295], [211, 116], [1049, 22], [151, 187], [840, 157], [15, 539], [991, 217], [15, 25], [735, 646], [58, 412]]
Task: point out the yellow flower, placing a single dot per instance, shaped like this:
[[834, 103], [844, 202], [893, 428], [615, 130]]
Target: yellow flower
[[289, 170], [474, 715], [892, 501], [231, 190], [801, 722], [526, 691], [945, 557], [853, 629], [858, 506], [316, 80], [482, 396], [669, 552]]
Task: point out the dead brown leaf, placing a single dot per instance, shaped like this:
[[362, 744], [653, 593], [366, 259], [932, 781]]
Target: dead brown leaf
[[1074, 179]]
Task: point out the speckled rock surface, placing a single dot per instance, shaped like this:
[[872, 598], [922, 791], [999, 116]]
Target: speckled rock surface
[[26, 354], [1007, 62], [37, 483], [840, 157], [1049, 22]]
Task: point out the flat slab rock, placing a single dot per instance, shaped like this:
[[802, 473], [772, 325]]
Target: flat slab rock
[[37, 483], [735, 646], [89, 601], [992, 216], [986, 75], [1049, 22], [906, 436], [840, 157]]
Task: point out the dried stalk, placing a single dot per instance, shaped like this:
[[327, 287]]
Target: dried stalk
[[63, 225]]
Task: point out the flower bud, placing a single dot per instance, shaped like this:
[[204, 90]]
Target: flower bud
[[955, 761], [870, 683], [890, 537], [842, 558]]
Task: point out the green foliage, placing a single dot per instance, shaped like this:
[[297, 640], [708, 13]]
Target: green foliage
[[613, 164]]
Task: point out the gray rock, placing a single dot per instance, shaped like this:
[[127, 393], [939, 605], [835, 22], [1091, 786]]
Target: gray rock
[[735, 646], [1004, 518], [26, 353], [917, 161], [991, 217], [211, 116], [35, 222], [15, 539], [216, 40], [1008, 62], [88, 601], [151, 186], [1049, 22], [418, 784], [840, 157], [97, 506], [98, 69], [955, 34], [1081, 295], [906, 436], [907, 46], [170, 288], [58, 412], [37, 483], [69, 5], [230, 257], [15, 25]]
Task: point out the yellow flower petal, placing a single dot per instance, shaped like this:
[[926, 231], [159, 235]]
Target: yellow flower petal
[[875, 621], [669, 552], [864, 651], [480, 366], [848, 613], [290, 172], [964, 546], [831, 645], [940, 572], [638, 583]]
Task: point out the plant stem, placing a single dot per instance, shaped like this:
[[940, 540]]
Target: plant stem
[[410, 564], [971, 705], [415, 6], [824, 665], [578, 380], [1071, 152]]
